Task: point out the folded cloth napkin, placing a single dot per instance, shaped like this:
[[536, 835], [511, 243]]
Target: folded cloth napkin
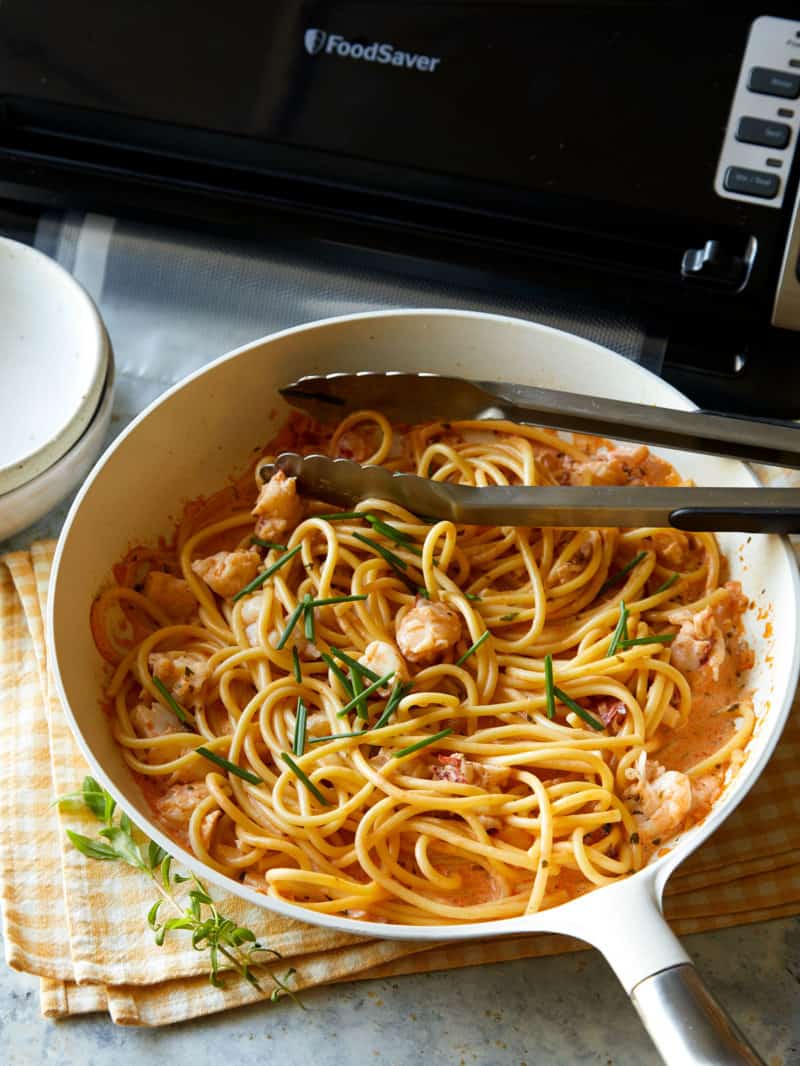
[[80, 925]]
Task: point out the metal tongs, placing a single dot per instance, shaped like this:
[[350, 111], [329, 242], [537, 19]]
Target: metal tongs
[[420, 397]]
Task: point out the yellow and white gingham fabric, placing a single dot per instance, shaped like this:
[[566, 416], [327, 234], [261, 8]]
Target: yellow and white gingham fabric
[[80, 924]]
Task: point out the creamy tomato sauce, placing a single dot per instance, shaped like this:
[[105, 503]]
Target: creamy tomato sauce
[[666, 790]]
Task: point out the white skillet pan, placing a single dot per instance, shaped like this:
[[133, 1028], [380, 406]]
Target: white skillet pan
[[188, 443]]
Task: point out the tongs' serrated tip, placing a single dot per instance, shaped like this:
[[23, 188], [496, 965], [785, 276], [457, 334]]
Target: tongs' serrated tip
[[298, 392]]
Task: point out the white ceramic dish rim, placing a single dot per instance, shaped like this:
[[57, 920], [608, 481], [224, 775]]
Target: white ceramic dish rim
[[35, 498], [25, 467], [603, 918]]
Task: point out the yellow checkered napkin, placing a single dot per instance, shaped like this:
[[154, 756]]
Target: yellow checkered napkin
[[80, 925]]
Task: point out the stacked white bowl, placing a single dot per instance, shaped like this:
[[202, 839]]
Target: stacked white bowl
[[56, 385]]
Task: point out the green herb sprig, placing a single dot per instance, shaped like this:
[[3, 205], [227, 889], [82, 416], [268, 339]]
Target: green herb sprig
[[259, 579], [354, 664], [267, 544], [400, 690], [299, 739], [549, 687], [195, 911], [403, 540], [231, 767], [473, 648], [667, 584], [301, 775], [576, 707], [171, 702], [362, 695], [421, 744], [339, 516], [305, 609], [615, 579], [394, 560], [621, 631], [298, 671], [338, 673], [661, 638]]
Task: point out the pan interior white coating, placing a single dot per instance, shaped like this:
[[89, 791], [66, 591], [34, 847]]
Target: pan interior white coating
[[196, 435]]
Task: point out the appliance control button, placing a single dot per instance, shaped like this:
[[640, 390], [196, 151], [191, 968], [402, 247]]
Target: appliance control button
[[751, 182], [774, 82], [762, 131]]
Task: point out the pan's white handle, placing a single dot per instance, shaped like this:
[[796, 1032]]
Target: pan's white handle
[[687, 1026]]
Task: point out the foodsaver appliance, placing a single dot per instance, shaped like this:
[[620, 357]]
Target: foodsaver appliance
[[635, 157]]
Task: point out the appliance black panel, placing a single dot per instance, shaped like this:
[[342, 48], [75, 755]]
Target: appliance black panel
[[617, 103], [575, 143]]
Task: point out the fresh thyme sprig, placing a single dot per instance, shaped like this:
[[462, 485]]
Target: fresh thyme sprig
[[195, 911]]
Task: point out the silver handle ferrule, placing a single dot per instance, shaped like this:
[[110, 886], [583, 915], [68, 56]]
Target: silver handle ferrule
[[685, 1022]]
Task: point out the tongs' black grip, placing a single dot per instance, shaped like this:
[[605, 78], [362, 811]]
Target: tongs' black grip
[[737, 519]]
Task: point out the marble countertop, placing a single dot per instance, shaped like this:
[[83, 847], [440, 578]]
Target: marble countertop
[[568, 1010]]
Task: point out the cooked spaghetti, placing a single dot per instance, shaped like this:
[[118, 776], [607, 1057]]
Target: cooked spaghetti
[[377, 715]]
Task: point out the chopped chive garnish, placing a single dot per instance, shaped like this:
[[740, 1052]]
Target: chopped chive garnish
[[172, 703], [663, 638], [290, 624], [471, 650], [354, 664], [667, 584], [396, 535], [338, 673], [298, 673], [340, 516], [339, 736], [615, 579], [389, 531], [421, 744], [366, 692], [549, 687], [259, 580], [299, 741], [331, 600], [423, 592], [358, 690], [576, 707], [302, 776], [509, 617], [399, 690], [308, 618], [393, 560], [229, 766], [621, 632], [267, 543], [473, 598]]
